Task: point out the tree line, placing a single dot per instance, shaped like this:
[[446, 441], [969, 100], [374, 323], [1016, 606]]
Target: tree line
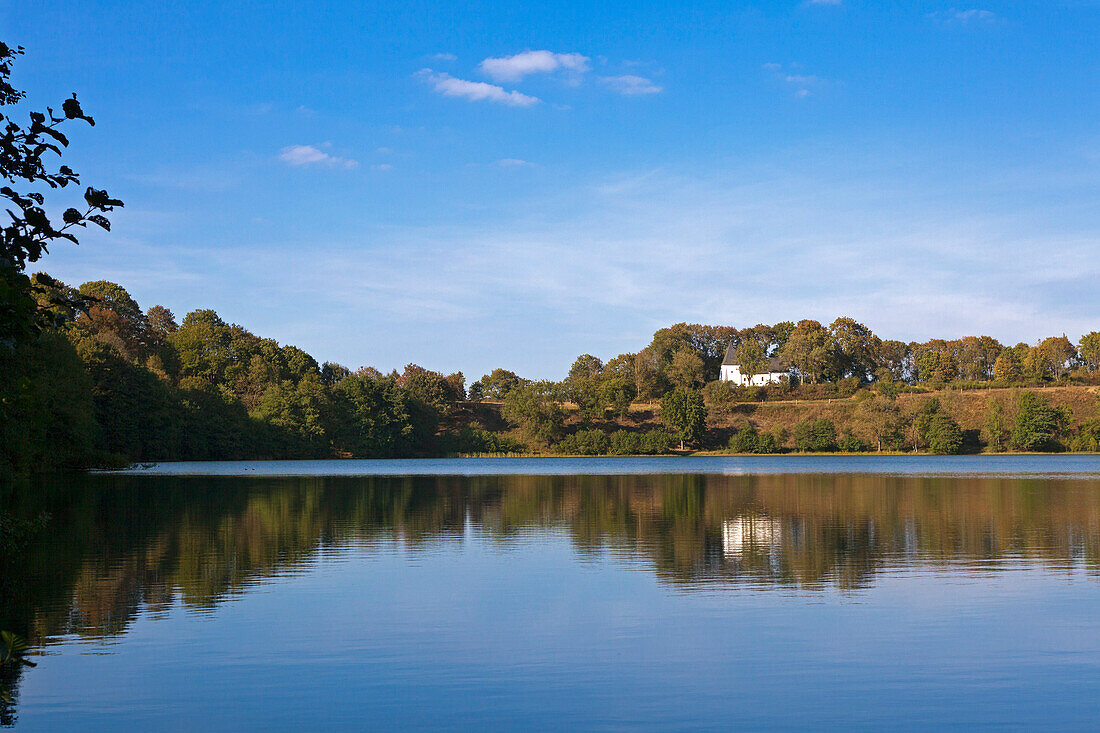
[[108, 382]]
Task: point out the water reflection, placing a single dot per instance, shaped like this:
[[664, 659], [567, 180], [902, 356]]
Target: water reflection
[[118, 546]]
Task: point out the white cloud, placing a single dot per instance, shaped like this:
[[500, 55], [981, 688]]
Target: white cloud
[[443, 57], [630, 85], [964, 17], [303, 155], [513, 163], [383, 167], [802, 84], [475, 91], [514, 68]]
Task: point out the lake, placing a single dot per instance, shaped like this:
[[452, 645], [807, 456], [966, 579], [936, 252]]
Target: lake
[[629, 593]]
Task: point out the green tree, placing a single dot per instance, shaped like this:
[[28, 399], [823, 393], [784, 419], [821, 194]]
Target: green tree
[[683, 411], [370, 417], [937, 367], [497, 384], [1038, 424], [896, 358], [649, 376], [332, 373], [878, 418], [707, 342], [582, 386], [799, 348], [46, 399], [297, 410], [1089, 349], [1088, 437], [25, 158], [750, 440], [202, 346], [935, 430], [855, 347], [1007, 367], [431, 389], [616, 395], [997, 427], [585, 443], [686, 369], [534, 408], [942, 434], [751, 358]]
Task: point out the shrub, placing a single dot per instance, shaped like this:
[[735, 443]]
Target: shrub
[[592, 442], [749, 440], [848, 386], [850, 443], [473, 438], [626, 443], [744, 440]]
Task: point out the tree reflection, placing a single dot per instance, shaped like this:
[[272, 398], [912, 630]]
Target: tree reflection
[[119, 545]]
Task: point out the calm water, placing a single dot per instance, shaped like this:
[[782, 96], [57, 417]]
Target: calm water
[[619, 593]]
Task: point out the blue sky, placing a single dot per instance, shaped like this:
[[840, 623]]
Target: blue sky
[[483, 184]]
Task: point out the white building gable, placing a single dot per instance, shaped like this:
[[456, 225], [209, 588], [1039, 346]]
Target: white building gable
[[774, 372]]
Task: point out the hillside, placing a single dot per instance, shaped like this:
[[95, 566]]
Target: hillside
[[967, 407]]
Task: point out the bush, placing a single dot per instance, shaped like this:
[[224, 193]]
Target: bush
[[848, 386], [626, 443], [749, 440], [850, 443], [815, 436], [473, 438], [592, 442], [744, 440]]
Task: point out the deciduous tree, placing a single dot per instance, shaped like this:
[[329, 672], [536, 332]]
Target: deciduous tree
[[683, 411], [26, 153]]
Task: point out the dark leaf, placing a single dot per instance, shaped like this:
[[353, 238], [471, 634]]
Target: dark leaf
[[72, 216], [72, 110], [56, 135]]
